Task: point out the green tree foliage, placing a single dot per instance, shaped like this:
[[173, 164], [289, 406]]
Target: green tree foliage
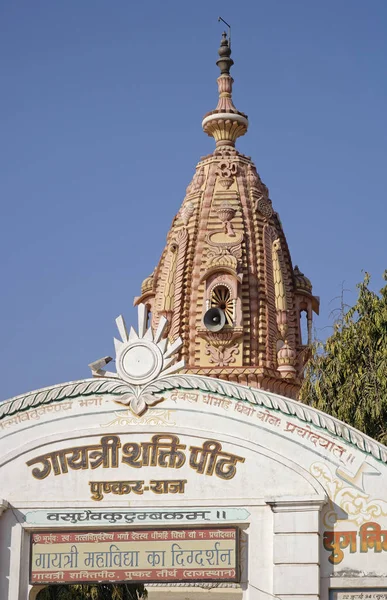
[[346, 376], [97, 591]]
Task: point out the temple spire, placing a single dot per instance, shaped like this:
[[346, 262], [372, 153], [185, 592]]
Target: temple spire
[[225, 124], [225, 281]]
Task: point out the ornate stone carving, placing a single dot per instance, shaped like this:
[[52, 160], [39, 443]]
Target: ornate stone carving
[[253, 178], [113, 388], [244, 250], [226, 171], [182, 242], [282, 322], [225, 124], [269, 236], [197, 181], [301, 281], [279, 289], [255, 181], [147, 284], [220, 295], [264, 206], [141, 358], [156, 417], [226, 254], [225, 151], [221, 339], [225, 129], [259, 193], [225, 103], [186, 212], [166, 297], [222, 355], [226, 213], [286, 360]]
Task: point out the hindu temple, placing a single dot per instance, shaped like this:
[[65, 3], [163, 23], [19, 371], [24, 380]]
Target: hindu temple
[[184, 467]]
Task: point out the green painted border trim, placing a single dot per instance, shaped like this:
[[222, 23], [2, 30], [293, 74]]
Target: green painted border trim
[[116, 387], [61, 392], [271, 401]]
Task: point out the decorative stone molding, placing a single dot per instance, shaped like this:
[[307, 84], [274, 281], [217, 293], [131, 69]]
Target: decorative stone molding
[[286, 358], [197, 181], [296, 503], [147, 284], [226, 171], [223, 255], [225, 124], [249, 253], [225, 152], [225, 128], [296, 545], [117, 388], [140, 358], [61, 391], [226, 212], [221, 339], [255, 183], [264, 207], [3, 506], [181, 241], [222, 355], [186, 212], [279, 403]]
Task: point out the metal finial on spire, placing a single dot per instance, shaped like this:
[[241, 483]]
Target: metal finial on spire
[[225, 124], [225, 62]]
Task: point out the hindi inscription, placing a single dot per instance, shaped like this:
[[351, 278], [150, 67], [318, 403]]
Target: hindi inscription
[[369, 537], [163, 450], [121, 516], [359, 594], [155, 555]]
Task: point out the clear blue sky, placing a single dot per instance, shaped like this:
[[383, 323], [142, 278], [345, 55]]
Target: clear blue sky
[[100, 107]]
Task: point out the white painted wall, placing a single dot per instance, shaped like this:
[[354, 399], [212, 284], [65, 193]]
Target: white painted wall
[[297, 482]]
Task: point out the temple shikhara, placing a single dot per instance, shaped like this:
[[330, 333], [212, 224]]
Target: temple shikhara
[[190, 469], [226, 249]]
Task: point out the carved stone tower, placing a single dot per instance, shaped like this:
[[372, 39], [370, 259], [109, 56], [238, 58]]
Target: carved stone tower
[[226, 250]]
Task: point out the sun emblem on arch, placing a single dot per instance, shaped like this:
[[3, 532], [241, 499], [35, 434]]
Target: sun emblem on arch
[[141, 357]]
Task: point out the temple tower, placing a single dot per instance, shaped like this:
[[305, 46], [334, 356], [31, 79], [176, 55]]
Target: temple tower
[[226, 250]]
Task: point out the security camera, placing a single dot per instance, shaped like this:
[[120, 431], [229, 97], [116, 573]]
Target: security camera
[[96, 366]]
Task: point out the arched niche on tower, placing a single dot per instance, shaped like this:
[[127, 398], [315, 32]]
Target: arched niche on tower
[[306, 304], [222, 291]]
